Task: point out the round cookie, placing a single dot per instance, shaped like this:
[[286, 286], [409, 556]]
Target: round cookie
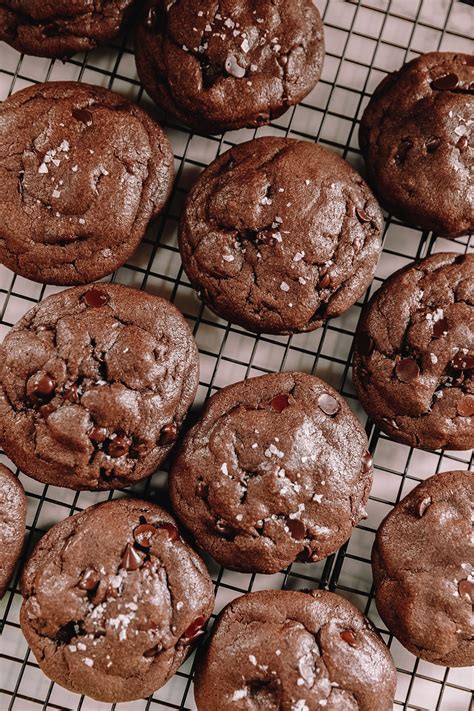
[[278, 235], [276, 469], [113, 599], [95, 383], [424, 588], [12, 524], [59, 29], [219, 67], [89, 170], [414, 354], [300, 651], [417, 140]]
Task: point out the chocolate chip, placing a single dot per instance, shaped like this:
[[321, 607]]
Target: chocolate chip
[[306, 555], [280, 402], [90, 580], [407, 370], [202, 490], [365, 344], [445, 82], [47, 410], [168, 434], [119, 446], [210, 74], [462, 143], [423, 505], [440, 328], [83, 115], [40, 386], [367, 462], [95, 298], [98, 434], [325, 282], [297, 528], [465, 406], [466, 590], [171, 530], [132, 559], [71, 393], [432, 144], [362, 215], [463, 361], [328, 404], [349, 637], [403, 149], [143, 534], [194, 630]]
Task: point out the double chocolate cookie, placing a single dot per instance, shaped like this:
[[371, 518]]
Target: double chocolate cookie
[[82, 172], [417, 139], [279, 235], [414, 354], [297, 651], [424, 588], [113, 600], [62, 27], [221, 66], [276, 469], [94, 385], [12, 524]]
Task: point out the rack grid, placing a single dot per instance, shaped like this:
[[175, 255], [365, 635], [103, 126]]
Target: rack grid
[[364, 41]]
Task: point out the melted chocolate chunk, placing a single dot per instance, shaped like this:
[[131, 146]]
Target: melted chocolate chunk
[[365, 344], [325, 282], [445, 82], [367, 462], [149, 653], [98, 434], [67, 632], [119, 446], [83, 115], [463, 361], [194, 630], [297, 528], [280, 402], [202, 490], [71, 393], [328, 404], [95, 298], [40, 386], [132, 559], [90, 580], [349, 637], [362, 215], [440, 328], [168, 434], [171, 530], [465, 406], [143, 534], [47, 410], [432, 144], [402, 151], [407, 370]]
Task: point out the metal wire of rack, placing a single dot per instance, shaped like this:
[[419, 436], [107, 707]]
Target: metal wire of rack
[[364, 40]]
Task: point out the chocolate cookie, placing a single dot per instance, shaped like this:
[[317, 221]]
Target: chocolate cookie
[[414, 354], [12, 524], [82, 172], [222, 66], [424, 589], [294, 651], [61, 28], [279, 235], [276, 468], [113, 599], [94, 385], [416, 136]]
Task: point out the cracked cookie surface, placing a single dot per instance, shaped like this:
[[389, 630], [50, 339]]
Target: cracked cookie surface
[[95, 384], [417, 138], [276, 468], [423, 570], [12, 524], [53, 28], [113, 599], [294, 651], [278, 235], [414, 354], [220, 65], [82, 172]]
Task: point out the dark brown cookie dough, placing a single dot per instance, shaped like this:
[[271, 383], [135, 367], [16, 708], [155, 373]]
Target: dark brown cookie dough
[[82, 172], [423, 570], [113, 600], [276, 468], [414, 354], [279, 235], [217, 66], [417, 138], [58, 28], [94, 385], [294, 651], [12, 524]]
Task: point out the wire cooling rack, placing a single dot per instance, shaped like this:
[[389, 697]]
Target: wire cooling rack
[[364, 41]]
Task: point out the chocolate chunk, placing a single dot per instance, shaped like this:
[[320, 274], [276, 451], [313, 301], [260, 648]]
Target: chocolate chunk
[[67, 632], [367, 462], [423, 505], [168, 434], [462, 143], [445, 82], [149, 653], [328, 404], [402, 151], [171, 530], [306, 555], [95, 298], [143, 534], [432, 144], [202, 489], [365, 344], [463, 361], [297, 528], [47, 410], [90, 580], [194, 630], [98, 434], [362, 215], [82, 115], [40, 386], [440, 328], [466, 406], [325, 281], [407, 370], [71, 393], [119, 446], [132, 559], [466, 590], [280, 402], [349, 637]]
